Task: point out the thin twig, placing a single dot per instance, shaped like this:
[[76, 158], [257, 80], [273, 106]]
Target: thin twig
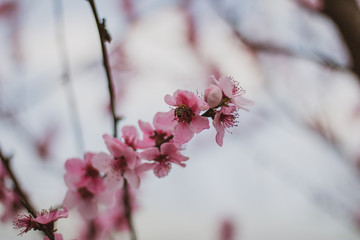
[[105, 37], [17, 188], [63, 52]]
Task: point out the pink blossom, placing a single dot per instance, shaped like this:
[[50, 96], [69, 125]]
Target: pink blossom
[[120, 164], [224, 118], [184, 120], [213, 95], [86, 201], [151, 136], [52, 215], [233, 92], [44, 221], [82, 173], [163, 157]]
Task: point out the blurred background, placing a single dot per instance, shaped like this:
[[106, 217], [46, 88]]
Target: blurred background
[[290, 170]]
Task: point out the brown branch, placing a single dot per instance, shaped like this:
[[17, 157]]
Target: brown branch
[[5, 160], [105, 37], [346, 15], [17, 188]]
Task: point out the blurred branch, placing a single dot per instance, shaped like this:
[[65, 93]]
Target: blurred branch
[[105, 37], [17, 188], [63, 52], [346, 15], [274, 49]]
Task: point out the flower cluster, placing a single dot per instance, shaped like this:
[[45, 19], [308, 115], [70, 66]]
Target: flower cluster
[[95, 179], [44, 221]]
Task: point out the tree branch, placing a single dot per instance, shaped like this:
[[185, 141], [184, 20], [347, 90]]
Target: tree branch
[[346, 15], [105, 37]]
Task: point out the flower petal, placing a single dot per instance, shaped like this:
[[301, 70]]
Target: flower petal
[[199, 123], [165, 120], [150, 154], [182, 133], [132, 178]]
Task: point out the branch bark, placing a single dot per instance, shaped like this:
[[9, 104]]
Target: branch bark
[[346, 16]]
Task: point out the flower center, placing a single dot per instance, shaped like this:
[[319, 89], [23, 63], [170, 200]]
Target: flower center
[[120, 164], [183, 113], [85, 193], [91, 172], [228, 120]]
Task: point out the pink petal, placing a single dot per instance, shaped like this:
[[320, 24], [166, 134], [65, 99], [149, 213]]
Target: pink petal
[[71, 181], [71, 199], [242, 102], [75, 165], [130, 156], [114, 180], [106, 198], [88, 209], [144, 167], [199, 123], [226, 86], [102, 161], [145, 127], [96, 185], [220, 130], [162, 169], [165, 120], [168, 149], [150, 154], [182, 133], [132, 178], [213, 95], [170, 100]]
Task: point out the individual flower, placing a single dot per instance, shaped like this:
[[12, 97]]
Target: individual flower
[[44, 222], [82, 173], [120, 165], [50, 216], [86, 201], [185, 120], [232, 92], [225, 118], [151, 136], [163, 157]]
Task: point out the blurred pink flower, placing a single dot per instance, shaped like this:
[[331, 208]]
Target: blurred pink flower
[[151, 136], [44, 221], [87, 201], [120, 164], [184, 120], [81, 173], [163, 157]]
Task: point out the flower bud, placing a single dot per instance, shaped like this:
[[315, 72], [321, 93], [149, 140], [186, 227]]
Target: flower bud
[[213, 95]]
